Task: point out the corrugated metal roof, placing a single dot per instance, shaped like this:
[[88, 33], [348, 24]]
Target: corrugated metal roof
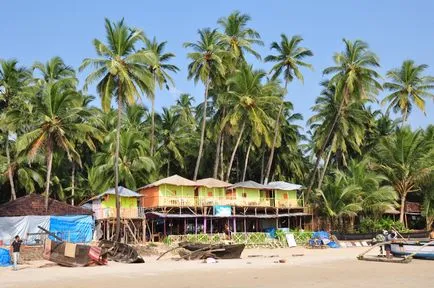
[[123, 192], [281, 185], [213, 183], [249, 184], [172, 180]]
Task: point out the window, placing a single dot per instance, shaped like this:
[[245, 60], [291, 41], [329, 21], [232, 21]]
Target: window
[[210, 194], [173, 192], [285, 196], [230, 194], [244, 195]]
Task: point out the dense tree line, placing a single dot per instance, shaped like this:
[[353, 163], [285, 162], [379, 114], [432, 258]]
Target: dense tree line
[[352, 160]]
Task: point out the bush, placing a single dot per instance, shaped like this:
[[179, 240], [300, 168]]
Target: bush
[[368, 225]]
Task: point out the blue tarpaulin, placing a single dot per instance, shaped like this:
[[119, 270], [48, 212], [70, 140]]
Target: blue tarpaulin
[[75, 229], [5, 257]]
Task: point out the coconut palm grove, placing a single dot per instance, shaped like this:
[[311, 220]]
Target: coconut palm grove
[[357, 155]]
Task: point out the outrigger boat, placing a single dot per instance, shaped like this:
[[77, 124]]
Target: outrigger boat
[[418, 249]]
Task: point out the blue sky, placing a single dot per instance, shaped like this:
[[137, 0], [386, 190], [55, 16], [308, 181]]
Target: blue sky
[[395, 30]]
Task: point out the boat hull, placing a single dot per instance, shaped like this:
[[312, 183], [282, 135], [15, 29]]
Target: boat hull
[[406, 248], [221, 251]]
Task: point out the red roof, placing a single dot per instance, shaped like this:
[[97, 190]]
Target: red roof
[[34, 204]]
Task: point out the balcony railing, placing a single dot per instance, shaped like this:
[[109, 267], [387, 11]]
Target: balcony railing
[[200, 201], [104, 213]]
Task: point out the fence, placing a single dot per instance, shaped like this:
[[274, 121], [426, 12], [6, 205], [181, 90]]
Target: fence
[[255, 239]]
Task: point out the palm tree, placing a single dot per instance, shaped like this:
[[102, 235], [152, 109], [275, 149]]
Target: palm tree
[[159, 69], [404, 160], [13, 82], [58, 122], [354, 79], [133, 155], [55, 70], [408, 86], [122, 73], [237, 37], [339, 200], [376, 198], [289, 60], [185, 110], [348, 132], [173, 134], [207, 66], [249, 102]]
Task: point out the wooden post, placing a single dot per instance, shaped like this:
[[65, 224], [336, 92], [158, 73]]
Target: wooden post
[[257, 225], [144, 230], [204, 225], [210, 222], [185, 225], [107, 230], [277, 223], [235, 224], [195, 225], [164, 227], [245, 225]]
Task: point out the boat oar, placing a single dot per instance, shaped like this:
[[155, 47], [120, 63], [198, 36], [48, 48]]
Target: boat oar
[[418, 250]]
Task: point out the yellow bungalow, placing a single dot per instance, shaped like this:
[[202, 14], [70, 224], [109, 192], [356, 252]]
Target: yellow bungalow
[[250, 193], [104, 204], [212, 192], [173, 191], [285, 194]]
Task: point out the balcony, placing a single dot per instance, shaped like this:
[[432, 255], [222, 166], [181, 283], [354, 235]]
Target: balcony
[[201, 201], [105, 213]]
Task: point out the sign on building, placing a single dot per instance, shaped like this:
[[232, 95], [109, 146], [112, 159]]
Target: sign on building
[[222, 210]]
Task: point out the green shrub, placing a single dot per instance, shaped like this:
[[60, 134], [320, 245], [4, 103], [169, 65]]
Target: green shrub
[[368, 225]]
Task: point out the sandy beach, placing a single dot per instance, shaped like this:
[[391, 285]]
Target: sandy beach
[[316, 268]]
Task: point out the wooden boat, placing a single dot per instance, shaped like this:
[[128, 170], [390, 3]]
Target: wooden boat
[[221, 251], [70, 254], [404, 248], [120, 252], [79, 256]]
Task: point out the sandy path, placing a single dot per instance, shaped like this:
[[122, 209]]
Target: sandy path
[[317, 268]]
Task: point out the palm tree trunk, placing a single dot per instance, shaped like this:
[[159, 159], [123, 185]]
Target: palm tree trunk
[[246, 161], [402, 208], [152, 125], [324, 145], [234, 152], [217, 156], [326, 163], [276, 132], [222, 172], [118, 137], [263, 165], [404, 118], [72, 183], [168, 165], [49, 165], [10, 176], [202, 132]]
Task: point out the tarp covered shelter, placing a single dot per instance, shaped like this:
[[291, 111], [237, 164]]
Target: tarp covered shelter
[[23, 216]]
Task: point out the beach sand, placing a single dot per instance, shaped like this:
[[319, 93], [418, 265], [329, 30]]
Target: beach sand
[[316, 268]]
